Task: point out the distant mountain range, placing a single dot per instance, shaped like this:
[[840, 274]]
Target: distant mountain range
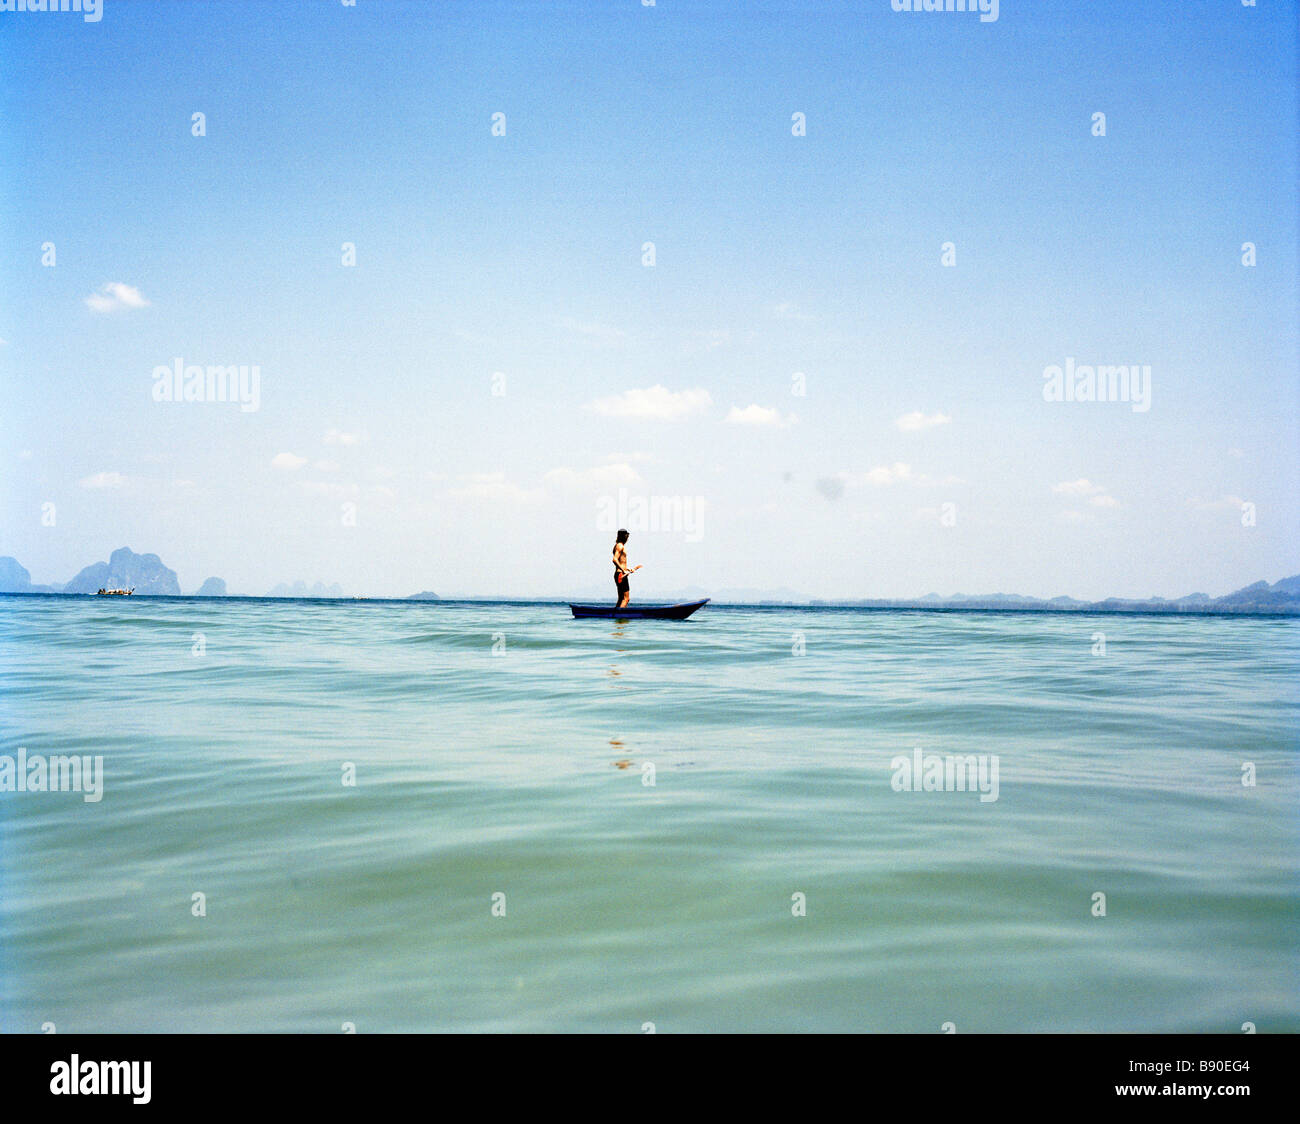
[[146, 574], [125, 569], [15, 579], [1280, 597]]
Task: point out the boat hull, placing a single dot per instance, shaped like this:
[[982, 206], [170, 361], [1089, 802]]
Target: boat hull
[[639, 612]]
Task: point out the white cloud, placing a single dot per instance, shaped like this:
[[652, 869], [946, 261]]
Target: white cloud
[[1095, 494], [493, 487], [894, 473], [288, 461], [602, 476], [1080, 487], [917, 421], [656, 402], [114, 297], [338, 437], [325, 466], [760, 416], [104, 480], [786, 310], [832, 487]]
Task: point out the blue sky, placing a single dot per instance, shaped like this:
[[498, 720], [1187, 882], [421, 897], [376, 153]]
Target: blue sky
[[774, 254]]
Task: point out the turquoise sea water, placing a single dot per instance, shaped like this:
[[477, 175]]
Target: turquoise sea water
[[486, 741]]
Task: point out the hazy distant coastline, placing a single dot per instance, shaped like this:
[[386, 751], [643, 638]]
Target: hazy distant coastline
[[147, 575]]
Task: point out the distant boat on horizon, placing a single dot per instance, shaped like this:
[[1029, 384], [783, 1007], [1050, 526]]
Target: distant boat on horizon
[[115, 592]]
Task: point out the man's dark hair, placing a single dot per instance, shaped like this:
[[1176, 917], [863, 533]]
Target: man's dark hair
[[621, 536]]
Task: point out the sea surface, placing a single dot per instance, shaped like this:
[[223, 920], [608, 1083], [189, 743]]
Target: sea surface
[[561, 825]]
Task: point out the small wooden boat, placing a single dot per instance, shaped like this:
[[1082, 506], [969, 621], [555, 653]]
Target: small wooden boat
[[115, 592], [639, 612]]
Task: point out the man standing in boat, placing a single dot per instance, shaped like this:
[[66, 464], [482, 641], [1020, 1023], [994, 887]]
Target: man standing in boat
[[621, 570]]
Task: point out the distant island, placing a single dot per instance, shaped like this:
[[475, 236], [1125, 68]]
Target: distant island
[[125, 569], [146, 574], [1281, 597], [15, 579]]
